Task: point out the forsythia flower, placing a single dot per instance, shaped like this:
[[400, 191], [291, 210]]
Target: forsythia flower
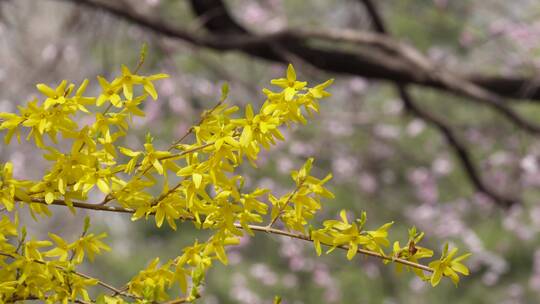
[[90, 245], [297, 207], [109, 92], [154, 158], [412, 252], [448, 266], [209, 191], [290, 84], [54, 96], [338, 233], [10, 188], [128, 80]]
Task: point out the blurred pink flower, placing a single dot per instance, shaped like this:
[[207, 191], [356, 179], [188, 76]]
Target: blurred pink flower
[[344, 167], [441, 166], [285, 165], [264, 274], [466, 38], [425, 185], [387, 131], [358, 84], [367, 183], [415, 127]]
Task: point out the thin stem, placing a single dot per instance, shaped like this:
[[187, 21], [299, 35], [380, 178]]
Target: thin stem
[[255, 228], [188, 151], [362, 251], [110, 197], [285, 205], [107, 109], [190, 130], [34, 298], [164, 195], [81, 205]]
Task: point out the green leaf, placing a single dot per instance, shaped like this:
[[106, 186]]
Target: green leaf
[[86, 224], [224, 91]]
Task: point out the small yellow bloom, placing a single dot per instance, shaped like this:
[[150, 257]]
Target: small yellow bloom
[[448, 266], [54, 96], [109, 92], [290, 84]]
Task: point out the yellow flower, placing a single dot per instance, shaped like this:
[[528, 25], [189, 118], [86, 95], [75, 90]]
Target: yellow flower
[[344, 233], [32, 249], [131, 165], [148, 86], [412, 252], [258, 128], [54, 96], [153, 158], [319, 90], [448, 266], [82, 139], [10, 188], [90, 245], [11, 122], [290, 84], [169, 208], [131, 107], [61, 250], [109, 92], [47, 189], [378, 238], [100, 177], [197, 173], [128, 80]]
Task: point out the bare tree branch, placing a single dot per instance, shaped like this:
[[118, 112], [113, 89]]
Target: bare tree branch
[[228, 35], [397, 54], [460, 149], [397, 57], [392, 60]]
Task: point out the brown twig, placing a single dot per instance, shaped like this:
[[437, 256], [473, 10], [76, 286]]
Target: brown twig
[[231, 36], [265, 229], [445, 129]]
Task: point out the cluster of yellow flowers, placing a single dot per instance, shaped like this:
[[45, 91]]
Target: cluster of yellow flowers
[[206, 191]]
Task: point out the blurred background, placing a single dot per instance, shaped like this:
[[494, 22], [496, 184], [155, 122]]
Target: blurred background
[[444, 161]]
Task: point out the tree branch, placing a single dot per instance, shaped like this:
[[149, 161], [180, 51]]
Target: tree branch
[[393, 61], [459, 148], [239, 226], [229, 35], [397, 58], [395, 53]]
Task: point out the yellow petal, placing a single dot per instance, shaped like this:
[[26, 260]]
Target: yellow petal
[[149, 88], [436, 277], [197, 180], [103, 186], [291, 74], [353, 248], [46, 90], [49, 197], [246, 136]]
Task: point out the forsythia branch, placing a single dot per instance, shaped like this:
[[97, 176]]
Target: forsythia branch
[[267, 229], [208, 192]]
